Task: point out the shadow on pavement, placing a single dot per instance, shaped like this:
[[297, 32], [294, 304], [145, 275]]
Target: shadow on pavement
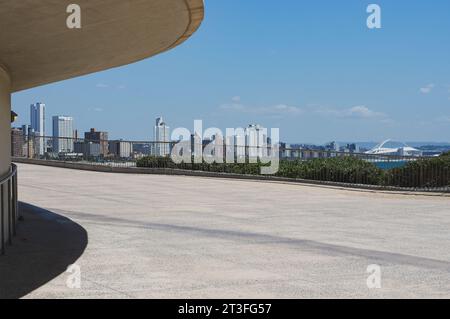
[[46, 243]]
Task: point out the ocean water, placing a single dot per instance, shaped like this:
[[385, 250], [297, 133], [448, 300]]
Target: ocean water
[[390, 165]]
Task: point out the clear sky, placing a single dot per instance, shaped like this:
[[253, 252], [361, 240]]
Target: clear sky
[[311, 68]]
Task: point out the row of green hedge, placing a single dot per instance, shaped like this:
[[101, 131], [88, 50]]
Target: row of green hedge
[[424, 173], [434, 172]]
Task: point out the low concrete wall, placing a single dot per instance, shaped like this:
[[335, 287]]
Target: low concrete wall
[[180, 172]]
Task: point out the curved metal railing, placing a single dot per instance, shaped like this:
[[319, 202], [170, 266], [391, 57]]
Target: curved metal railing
[[8, 208]]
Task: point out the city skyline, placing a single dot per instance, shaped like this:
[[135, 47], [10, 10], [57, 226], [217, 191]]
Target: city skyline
[[161, 132], [65, 140]]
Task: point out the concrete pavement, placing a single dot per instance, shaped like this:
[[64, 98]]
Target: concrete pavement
[[155, 236]]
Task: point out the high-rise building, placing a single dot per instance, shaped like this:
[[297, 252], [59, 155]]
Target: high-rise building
[[27, 130], [121, 148], [29, 143], [239, 140], [332, 146], [62, 134], [286, 150], [256, 140], [37, 120], [351, 148], [28, 140], [17, 142], [88, 149], [100, 138], [162, 135], [196, 145]]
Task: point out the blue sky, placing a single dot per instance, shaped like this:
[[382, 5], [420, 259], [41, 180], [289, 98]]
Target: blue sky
[[311, 68]]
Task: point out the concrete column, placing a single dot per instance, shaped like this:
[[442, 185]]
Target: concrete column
[[5, 122], [5, 138]]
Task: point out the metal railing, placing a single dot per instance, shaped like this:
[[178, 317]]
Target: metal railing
[[409, 172], [119, 151], [9, 209]]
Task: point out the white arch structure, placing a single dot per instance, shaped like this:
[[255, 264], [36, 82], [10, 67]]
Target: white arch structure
[[406, 150]]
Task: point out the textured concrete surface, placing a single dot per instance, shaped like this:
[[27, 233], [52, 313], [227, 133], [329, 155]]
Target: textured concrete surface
[[112, 33], [155, 236], [44, 246], [5, 123], [5, 138]]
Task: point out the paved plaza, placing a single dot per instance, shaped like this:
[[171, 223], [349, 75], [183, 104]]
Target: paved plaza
[[155, 236]]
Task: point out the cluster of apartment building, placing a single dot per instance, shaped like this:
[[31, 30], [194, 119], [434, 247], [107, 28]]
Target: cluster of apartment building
[[31, 140]]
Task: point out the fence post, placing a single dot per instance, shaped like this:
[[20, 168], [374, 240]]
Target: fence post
[[9, 212], [2, 217], [15, 204]]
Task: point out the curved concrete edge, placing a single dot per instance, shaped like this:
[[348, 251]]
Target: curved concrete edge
[[262, 178], [196, 12], [196, 15]]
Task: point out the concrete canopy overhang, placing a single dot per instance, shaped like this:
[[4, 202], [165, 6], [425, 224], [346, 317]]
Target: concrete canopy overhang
[[37, 47]]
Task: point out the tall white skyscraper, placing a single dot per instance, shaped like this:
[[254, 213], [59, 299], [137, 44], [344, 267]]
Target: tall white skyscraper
[[37, 120], [256, 140], [161, 134], [62, 134]]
